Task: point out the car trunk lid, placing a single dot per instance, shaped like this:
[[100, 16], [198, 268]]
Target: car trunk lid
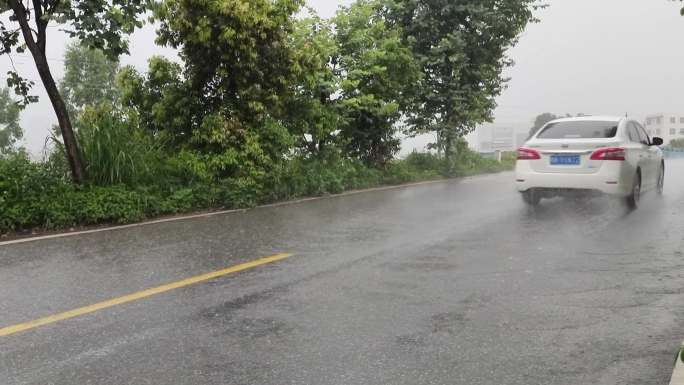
[[570, 156]]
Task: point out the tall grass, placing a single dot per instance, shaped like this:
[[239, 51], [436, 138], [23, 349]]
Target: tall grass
[[115, 150]]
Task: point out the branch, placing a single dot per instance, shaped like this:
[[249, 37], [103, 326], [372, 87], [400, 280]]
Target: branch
[[21, 86], [9, 56], [22, 19], [50, 9], [41, 24]]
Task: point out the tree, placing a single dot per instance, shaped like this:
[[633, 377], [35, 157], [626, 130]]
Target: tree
[[541, 120], [312, 113], [461, 49], [379, 75], [10, 131], [162, 98], [235, 52], [89, 78], [99, 24]]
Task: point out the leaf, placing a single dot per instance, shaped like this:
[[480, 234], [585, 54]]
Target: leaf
[[21, 88]]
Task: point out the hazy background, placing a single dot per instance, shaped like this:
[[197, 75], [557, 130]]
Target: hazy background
[[596, 57]]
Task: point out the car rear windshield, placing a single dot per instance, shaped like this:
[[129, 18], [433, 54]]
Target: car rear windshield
[[579, 130]]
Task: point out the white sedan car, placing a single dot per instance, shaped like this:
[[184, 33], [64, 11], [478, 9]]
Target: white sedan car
[[610, 155]]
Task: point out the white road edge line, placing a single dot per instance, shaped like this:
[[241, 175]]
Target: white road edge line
[[224, 212], [678, 372]]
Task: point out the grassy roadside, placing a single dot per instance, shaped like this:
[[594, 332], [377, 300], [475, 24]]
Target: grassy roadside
[[36, 197]]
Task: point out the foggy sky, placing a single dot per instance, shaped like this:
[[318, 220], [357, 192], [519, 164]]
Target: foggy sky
[[596, 57]]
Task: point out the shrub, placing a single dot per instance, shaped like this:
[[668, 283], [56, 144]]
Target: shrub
[[425, 161], [315, 177], [24, 187], [39, 195]]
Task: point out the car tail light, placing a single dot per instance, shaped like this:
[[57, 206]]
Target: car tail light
[[611, 153], [528, 154]]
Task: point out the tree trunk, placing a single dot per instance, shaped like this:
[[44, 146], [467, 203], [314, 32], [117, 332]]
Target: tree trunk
[[37, 48], [449, 151], [70, 145]]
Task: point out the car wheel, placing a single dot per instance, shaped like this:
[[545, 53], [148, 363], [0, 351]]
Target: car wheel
[[531, 197], [661, 180], [635, 195]]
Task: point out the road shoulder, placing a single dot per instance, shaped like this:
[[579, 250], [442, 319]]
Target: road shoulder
[[36, 235], [678, 372]]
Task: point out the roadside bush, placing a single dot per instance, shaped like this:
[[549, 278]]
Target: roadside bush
[[39, 195], [112, 204], [425, 161], [188, 168], [471, 163], [314, 177], [23, 188], [33, 195], [399, 172]]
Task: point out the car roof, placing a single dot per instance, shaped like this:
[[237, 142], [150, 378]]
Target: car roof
[[601, 118]]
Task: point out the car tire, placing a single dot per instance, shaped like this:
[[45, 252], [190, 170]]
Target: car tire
[[635, 195], [661, 180], [531, 197]]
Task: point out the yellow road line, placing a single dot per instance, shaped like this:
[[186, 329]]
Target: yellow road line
[[139, 295]]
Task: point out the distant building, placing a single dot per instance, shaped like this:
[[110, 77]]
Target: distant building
[[490, 138], [666, 126]]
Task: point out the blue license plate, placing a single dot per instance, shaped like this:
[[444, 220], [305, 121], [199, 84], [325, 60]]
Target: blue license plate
[[565, 160]]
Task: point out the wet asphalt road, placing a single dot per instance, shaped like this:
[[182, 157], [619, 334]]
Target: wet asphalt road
[[447, 283]]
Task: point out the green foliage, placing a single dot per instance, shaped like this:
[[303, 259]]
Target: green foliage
[[378, 78], [307, 177], [21, 86], [35, 196], [470, 163], [235, 52], [267, 104], [115, 149], [89, 78], [22, 184], [10, 131], [425, 162], [100, 24], [97, 24], [161, 98], [39, 195], [461, 50], [311, 114]]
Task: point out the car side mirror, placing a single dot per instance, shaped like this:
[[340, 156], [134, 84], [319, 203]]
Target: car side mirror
[[656, 141]]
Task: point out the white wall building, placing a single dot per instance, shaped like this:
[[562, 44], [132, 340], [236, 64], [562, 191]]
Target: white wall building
[[666, 126], [492, 137]]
